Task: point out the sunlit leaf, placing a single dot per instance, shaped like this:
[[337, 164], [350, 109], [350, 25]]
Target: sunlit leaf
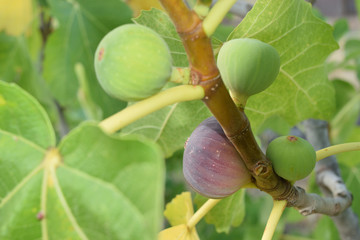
[[180, 232], [180, 209], [15, 16], [93, 186], [22, 117]]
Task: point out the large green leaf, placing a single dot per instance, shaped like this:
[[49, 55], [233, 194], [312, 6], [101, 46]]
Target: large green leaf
[[93, 187], [119, 184], [82, 26], [229, 212], [304, 42], [171, 126], [22, 117], [25, 132], [98, 187]]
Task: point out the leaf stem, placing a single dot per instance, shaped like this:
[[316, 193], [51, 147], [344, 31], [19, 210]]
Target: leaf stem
[[140, 109], [276, 212], [216, 15], [202, 211], [336, 149]]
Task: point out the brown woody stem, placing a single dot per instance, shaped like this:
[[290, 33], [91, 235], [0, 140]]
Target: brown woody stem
[[204, 72]]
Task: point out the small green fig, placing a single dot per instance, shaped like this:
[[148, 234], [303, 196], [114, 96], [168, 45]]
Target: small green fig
[[211, 164], [247, 66], [132, 62], [293, 157]]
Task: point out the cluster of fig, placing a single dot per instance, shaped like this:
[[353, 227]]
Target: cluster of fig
[[132, 62], [211, 164]]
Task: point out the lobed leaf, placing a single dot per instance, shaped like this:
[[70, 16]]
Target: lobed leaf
[[119, 185], [179, 232], [93, 186], [180, 209], [22, 117]]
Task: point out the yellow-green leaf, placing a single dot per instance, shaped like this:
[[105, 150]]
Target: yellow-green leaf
[[180, 232], [15, 16], [180, 209]]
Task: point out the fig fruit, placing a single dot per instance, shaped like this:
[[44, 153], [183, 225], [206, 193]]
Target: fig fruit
[[132, 62], [293, 157], [247, 66], [211, 164]]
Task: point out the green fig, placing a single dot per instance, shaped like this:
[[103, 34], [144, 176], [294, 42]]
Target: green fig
[[247, 67], [293, 157], [132, 62]]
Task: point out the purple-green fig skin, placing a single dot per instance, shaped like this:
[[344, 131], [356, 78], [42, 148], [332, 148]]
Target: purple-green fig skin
[[211, 164]]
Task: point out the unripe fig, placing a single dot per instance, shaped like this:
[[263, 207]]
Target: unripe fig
[[132, 62], [247, 66], [211, 164], [293, 158]]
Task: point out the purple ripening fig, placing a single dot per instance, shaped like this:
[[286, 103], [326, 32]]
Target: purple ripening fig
[[211, 164]]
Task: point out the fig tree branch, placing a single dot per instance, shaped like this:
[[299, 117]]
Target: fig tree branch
[[309, 203]]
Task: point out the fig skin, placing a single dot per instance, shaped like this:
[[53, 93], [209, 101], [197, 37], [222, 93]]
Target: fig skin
[[132, 62], [211, 164], [248, 66], [293, 157]]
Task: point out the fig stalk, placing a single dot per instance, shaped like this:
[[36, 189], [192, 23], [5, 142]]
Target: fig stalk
[[336, 149], [216, 16], [140, 109], [202, 211], [273, 220]]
